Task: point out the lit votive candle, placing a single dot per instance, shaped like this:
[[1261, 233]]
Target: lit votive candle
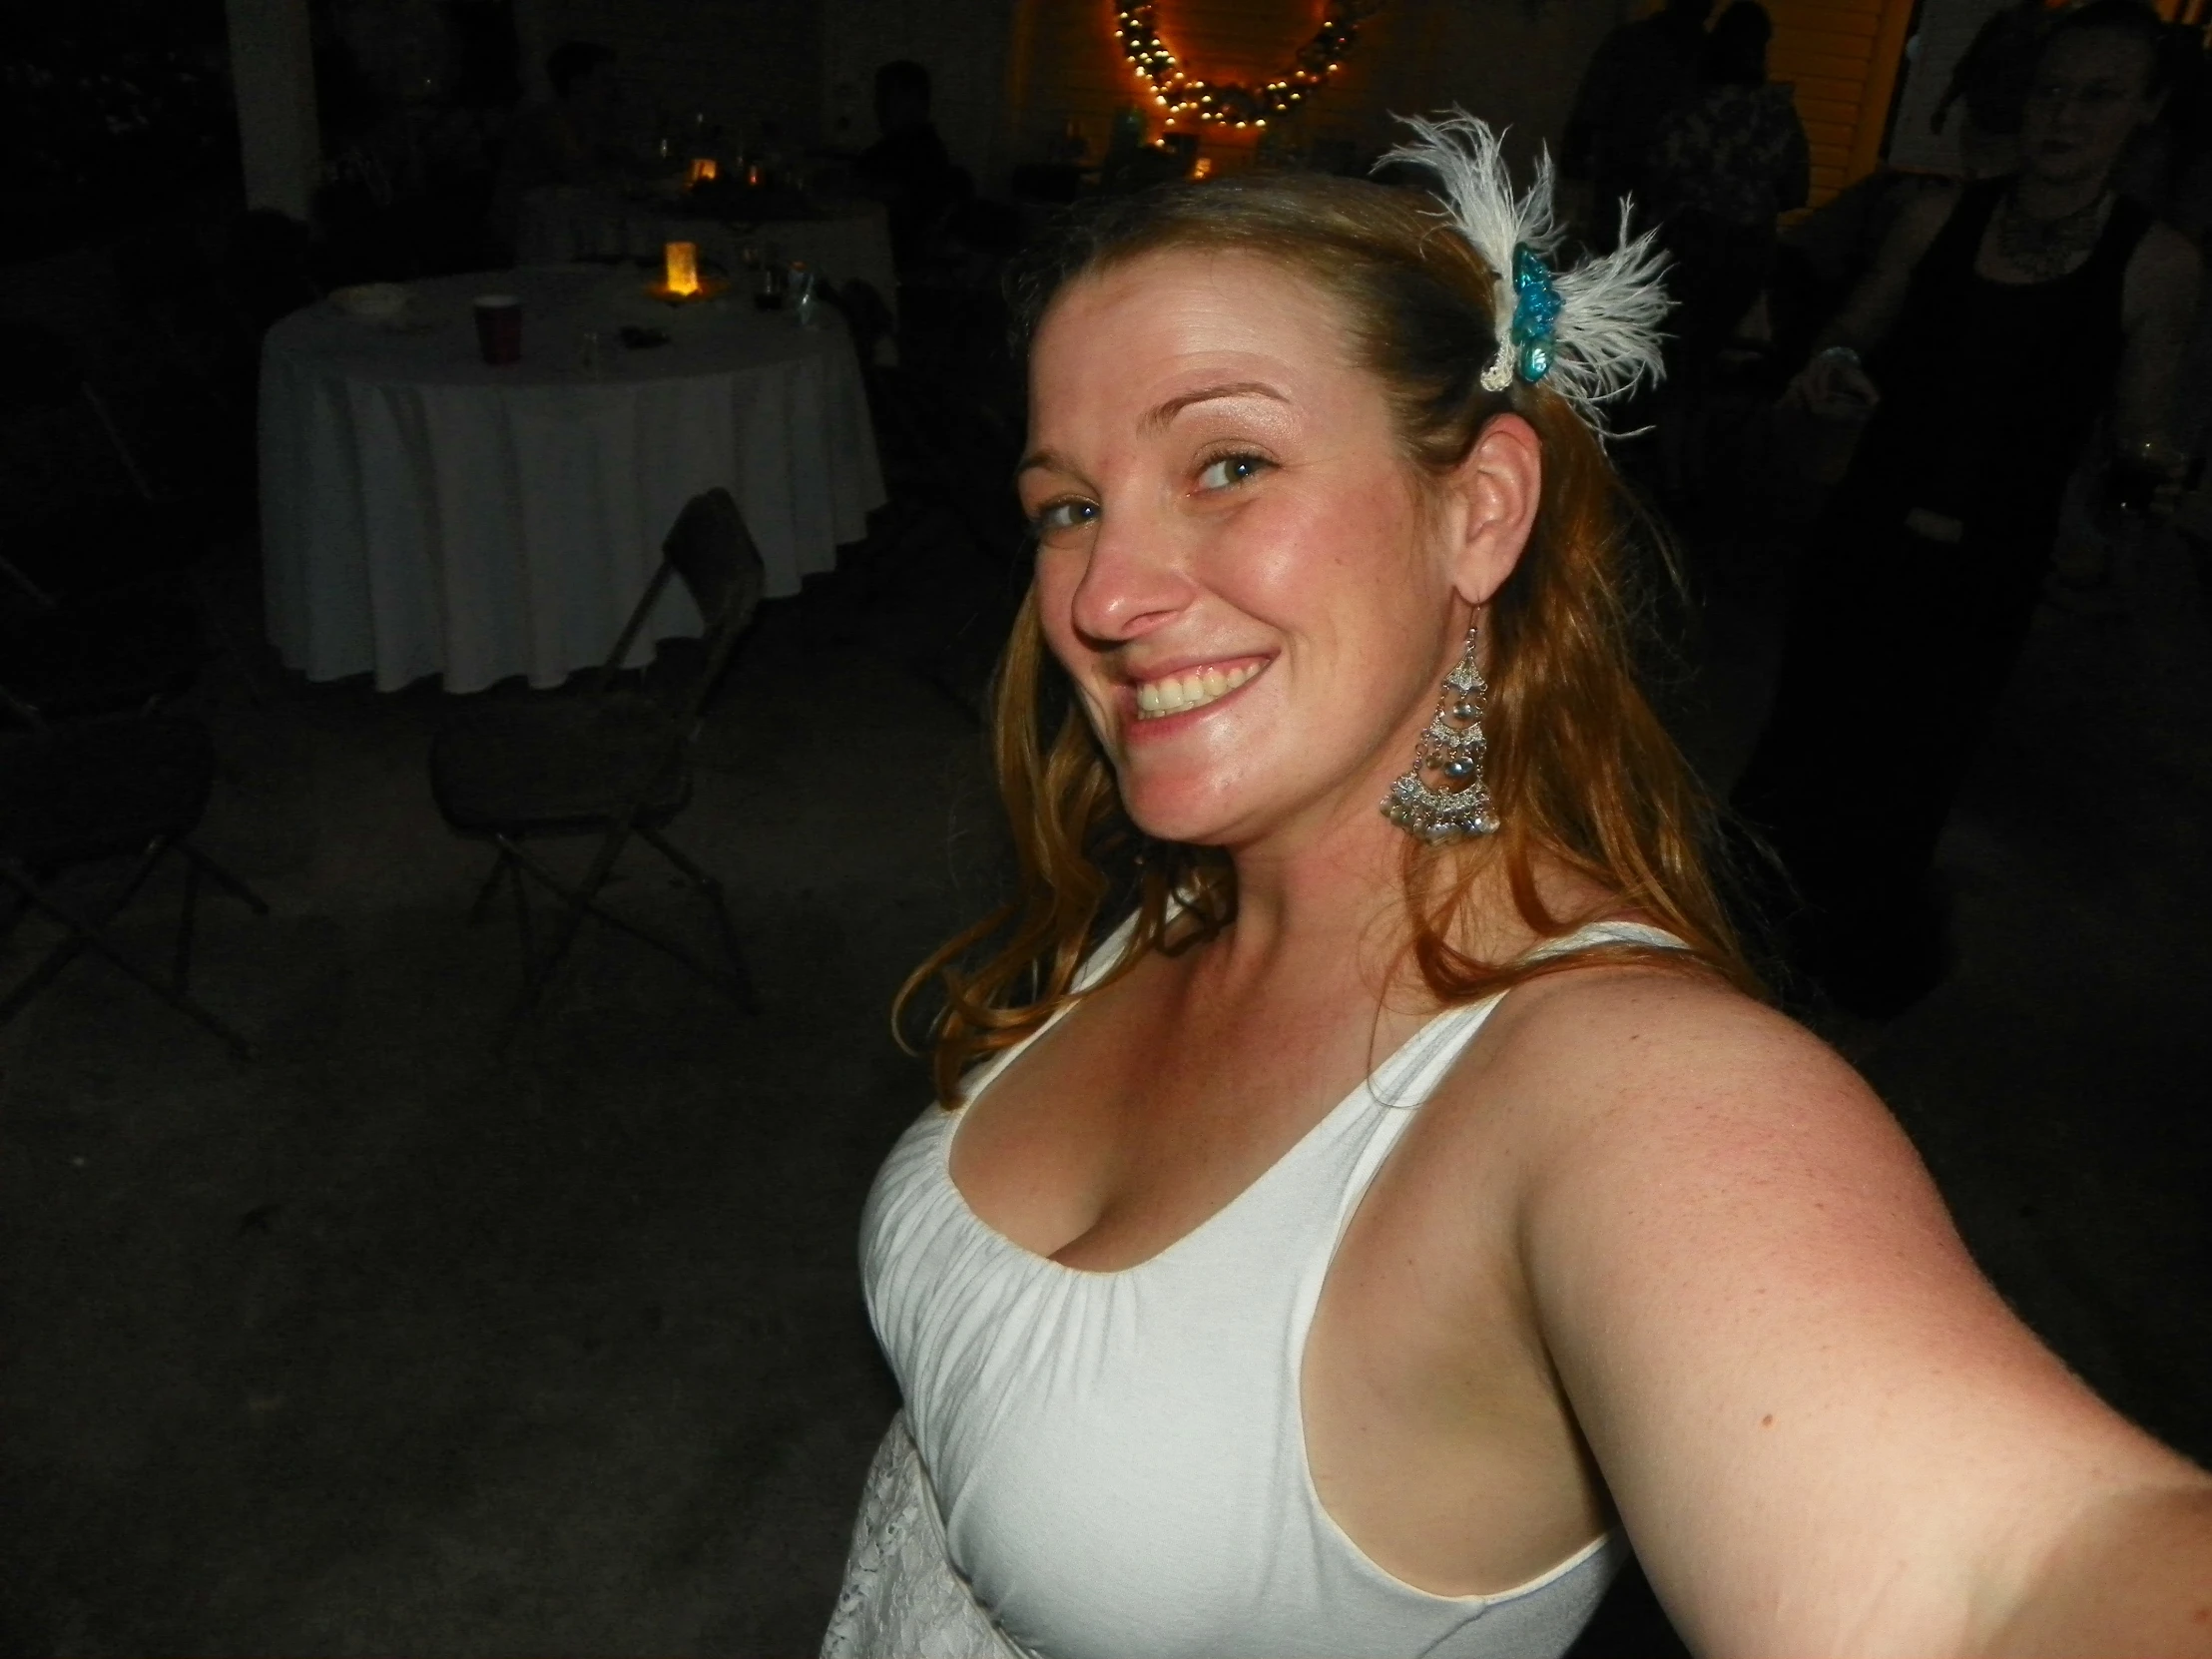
[[683, 270]]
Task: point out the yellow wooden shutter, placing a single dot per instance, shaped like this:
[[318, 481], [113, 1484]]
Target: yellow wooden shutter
[[1841, 57]]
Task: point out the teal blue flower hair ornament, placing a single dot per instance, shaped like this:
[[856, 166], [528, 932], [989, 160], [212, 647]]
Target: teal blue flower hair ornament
[[1588, 331], [1536, 306]]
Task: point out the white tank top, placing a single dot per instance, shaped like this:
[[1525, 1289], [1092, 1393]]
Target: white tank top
[[1115, 1462]]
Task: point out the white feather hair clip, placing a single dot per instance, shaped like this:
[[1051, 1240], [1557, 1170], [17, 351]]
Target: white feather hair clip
[[1592, 331]]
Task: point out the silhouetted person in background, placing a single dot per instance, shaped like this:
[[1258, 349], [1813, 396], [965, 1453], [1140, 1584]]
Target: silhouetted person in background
[[1725, 163], [907, 168], [1640, 73], [577, 139], [1999, 319]]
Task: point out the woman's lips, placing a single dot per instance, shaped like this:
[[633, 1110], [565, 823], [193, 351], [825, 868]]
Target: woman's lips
[[1192, 688]]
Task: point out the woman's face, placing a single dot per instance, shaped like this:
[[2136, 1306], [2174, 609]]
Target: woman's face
[[1236, 564], [2090, 93]]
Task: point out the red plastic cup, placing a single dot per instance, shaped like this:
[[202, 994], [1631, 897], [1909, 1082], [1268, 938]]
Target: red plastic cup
[[500, 328]]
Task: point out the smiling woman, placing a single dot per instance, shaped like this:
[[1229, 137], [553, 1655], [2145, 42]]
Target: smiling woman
[[1355, 1242], [1594, 788]]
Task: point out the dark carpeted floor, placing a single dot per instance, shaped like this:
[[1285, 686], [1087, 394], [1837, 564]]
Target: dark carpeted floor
[[387, 1344]]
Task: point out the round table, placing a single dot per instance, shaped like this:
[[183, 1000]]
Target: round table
[[424, 513]]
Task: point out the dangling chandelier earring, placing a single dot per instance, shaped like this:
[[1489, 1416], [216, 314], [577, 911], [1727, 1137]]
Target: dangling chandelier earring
[[1452, 744]]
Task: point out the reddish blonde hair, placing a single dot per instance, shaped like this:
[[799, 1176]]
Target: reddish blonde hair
[[1583, 775]]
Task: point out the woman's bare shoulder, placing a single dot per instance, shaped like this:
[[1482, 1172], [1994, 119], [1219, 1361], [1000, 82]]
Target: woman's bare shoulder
[[1658, 1038], [1606, 1086], [1923, 207], [1632, 1077]]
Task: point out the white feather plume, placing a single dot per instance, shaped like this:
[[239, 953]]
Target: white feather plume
[[1607, 338]]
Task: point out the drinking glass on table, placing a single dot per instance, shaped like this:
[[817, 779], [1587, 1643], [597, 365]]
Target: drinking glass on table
[[500, 328], [2143, 477], [772, 282]]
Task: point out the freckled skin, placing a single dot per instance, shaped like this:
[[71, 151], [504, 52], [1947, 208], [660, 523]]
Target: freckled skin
[[1313, 556]]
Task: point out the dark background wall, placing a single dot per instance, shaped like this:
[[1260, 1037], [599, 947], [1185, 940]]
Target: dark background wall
[[735, 60]]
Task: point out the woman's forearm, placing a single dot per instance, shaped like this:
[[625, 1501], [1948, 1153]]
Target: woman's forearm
[[2132, 1577]]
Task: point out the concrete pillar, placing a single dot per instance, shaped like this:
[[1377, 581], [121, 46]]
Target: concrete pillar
[[272, 73]]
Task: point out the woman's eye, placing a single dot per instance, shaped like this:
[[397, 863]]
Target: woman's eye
[[1231, 470], [1062, 515]]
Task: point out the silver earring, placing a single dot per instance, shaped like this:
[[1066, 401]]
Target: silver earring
[[1453, 745]]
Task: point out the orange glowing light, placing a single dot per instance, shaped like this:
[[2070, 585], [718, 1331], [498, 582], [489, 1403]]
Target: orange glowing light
[[683, 270], [703, 169]]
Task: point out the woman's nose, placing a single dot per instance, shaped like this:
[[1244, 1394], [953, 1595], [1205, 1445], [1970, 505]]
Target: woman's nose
[[1132, 582]]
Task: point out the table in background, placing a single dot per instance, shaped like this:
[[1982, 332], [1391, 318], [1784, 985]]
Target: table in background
[[562, 224], [423, 513]]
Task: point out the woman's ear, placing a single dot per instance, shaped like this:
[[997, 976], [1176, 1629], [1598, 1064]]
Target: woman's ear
[[1496, 490]]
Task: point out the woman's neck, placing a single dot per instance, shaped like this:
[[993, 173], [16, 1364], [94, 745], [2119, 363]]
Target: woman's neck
[[1332, 893], [1335, 904], [2048, 199]]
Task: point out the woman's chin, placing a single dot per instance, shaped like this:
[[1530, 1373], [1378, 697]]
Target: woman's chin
[[1192, 814], [1209, 812], [1180, 825], [1248, 795]]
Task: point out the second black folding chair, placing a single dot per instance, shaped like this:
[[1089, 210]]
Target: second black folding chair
[[130, 788], [613, 763]]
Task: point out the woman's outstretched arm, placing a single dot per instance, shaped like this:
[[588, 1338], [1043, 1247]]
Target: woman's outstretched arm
[[1825, 1432]]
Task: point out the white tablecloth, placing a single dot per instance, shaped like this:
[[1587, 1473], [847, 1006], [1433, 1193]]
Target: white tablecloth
[[422, 513], [562, 224]]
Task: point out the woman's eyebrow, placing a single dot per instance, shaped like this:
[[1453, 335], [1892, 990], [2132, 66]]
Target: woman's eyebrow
[[1045, 460], [1234, 388]]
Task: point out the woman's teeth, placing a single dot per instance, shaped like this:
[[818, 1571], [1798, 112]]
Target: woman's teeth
[[1180, 693]]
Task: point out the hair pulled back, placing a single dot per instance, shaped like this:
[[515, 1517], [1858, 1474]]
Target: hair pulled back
[[1582, 773], [2166, 49]]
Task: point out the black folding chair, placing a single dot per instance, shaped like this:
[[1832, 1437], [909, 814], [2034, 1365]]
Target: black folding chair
[[130, 788], [614, 762], [130, 652], [102, 604], [46, 383]]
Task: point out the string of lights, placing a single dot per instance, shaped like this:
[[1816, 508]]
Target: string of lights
[[1187, 97]]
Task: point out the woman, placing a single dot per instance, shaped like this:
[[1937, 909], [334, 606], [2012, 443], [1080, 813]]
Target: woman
[[1727, 163], [1349, 1236], [1998, 322]]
